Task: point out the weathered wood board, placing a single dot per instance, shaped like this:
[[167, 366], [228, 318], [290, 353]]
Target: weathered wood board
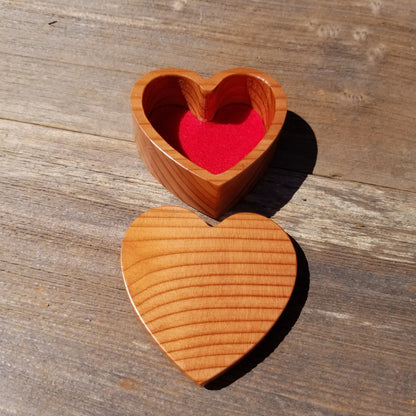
[[346, 69], [342, 184], [71, 343]]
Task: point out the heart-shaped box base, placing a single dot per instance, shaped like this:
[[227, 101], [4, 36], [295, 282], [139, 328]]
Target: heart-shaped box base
[[210, 193], [207, 295]]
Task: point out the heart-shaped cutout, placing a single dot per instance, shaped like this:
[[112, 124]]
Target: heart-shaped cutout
[[235, 127], [210, 192], [207, 295]]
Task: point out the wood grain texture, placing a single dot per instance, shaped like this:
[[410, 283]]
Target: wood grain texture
[[71, 345], [71, 183], [212, 194], [347, 67], [207, 295]]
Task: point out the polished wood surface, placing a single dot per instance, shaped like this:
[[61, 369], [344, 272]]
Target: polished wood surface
[[207, 295], [212, 194], [342, 185]]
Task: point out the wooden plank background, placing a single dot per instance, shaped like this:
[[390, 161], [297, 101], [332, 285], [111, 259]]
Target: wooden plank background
[[342, 184]]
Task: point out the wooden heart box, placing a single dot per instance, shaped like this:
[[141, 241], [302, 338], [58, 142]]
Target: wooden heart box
[[210, 193], [207, 295]]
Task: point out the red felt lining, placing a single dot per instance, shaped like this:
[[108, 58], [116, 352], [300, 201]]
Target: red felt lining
[[216, 145]]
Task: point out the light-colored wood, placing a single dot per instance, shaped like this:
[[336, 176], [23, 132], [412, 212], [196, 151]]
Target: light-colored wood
[[207, 295], [71, 344], [346, 68], [71, 183], [212, 194]]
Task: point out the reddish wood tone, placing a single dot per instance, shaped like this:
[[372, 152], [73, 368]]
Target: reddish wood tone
[[205, 191], [207, 295]]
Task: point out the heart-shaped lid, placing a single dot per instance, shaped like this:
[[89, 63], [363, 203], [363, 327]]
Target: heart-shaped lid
[[207, 295]]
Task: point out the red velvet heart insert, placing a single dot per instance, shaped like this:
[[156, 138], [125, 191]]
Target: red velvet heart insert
[[214, 145]]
